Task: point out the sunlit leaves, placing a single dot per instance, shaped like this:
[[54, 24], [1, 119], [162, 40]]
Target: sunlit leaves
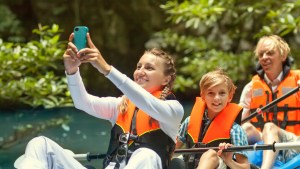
[[207, 34], [193, 12], [32, 73]]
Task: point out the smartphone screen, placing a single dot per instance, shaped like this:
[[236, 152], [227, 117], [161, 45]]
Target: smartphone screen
[[80, 40]]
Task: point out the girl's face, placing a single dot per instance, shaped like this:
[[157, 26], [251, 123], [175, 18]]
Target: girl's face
[[216, 99], [149, 73]]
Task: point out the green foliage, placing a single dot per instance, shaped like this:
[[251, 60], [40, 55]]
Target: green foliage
[[32, 73], [209, 34]]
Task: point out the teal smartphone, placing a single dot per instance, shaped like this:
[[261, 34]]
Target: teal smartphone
[[80, 40]]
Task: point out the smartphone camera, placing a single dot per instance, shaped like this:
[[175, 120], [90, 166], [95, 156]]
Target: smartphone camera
[[76, 29]]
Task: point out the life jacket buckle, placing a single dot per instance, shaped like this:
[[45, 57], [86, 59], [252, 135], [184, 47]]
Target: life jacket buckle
[[122, 153], [126, 137]]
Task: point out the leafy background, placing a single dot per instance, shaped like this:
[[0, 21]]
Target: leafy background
[[201, 34]]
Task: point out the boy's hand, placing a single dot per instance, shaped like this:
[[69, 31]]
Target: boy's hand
[[226, 156]]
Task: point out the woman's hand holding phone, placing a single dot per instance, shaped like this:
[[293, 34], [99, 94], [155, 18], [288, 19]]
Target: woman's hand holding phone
[[77, 41], [79, 52], [93, 55], [70, 58]]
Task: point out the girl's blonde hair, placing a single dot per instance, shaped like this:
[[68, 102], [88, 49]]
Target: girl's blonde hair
[[169, 70], [215, 78], [278, 43]]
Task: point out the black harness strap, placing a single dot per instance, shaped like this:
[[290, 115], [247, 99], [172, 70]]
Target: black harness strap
[[134, 132], [117, 166], [285, 118], [133, 122], [275, 111], [267, 102], [260, 121]]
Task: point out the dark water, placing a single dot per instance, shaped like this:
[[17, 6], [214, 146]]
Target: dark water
[[82, 134]]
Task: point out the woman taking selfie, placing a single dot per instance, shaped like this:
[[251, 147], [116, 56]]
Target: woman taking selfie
[[147, 110]]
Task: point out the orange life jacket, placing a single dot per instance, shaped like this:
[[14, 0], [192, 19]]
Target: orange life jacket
[[143, 122], [219, 129], [148, 131], [286, 113]]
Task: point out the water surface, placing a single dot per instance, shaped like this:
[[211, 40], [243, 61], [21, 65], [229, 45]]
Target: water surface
[[83, 133]]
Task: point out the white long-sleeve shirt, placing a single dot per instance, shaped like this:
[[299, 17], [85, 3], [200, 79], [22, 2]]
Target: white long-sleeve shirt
[[167, 112]]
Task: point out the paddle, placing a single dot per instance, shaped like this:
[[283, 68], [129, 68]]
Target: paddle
[[274, 147], [271, 104], [88, 156]]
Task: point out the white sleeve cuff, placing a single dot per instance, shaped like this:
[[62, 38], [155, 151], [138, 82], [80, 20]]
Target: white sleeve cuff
[[73, 79]]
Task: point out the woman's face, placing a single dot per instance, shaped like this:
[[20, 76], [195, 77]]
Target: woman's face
[[149, 73], [216, 98]]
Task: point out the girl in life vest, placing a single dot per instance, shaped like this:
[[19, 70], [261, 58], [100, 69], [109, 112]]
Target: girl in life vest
[[148, 110], [214, 121]]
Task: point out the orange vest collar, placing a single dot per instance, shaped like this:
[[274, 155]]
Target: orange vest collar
[[220, 126], [144, 123]]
